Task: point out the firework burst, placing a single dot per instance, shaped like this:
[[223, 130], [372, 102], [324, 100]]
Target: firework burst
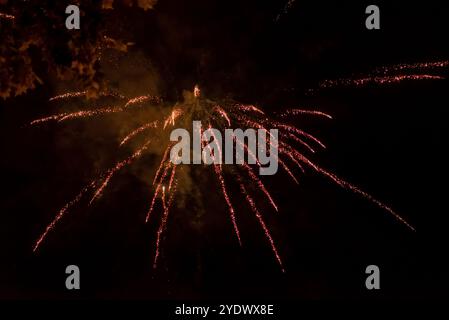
[[397, 73], [295, 148]]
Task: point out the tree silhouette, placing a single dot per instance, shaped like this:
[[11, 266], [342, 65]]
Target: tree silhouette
[[35, 43]]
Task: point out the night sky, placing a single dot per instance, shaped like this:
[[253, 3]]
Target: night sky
[[390, 140]]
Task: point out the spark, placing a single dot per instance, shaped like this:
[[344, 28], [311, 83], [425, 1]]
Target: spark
[[172, 176], [249, 108], [219, 173], [289, 172], [413, 66], [143, 99], [68, 95], [294, 130], [380, 80], [386, 75], [164, 158], [163, 223], [132, 134], [96, 112], [261, 186], [163, 197], [295, 112], [287, 150], [74, 115], [346, 185], [300, 141], [77, 94], [90, 113], [46, 119], [248, 151]]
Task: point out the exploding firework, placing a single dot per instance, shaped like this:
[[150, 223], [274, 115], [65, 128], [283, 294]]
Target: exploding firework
[[295, 147]]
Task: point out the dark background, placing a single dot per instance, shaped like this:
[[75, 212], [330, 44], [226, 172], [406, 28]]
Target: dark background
[[390, 140]]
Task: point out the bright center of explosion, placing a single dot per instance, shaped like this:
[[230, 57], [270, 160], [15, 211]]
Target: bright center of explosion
[[196, 91]]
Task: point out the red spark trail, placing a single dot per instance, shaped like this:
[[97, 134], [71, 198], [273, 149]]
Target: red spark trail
[[172, 176], [294, 130], [94, 112], [262, 224], [383, 75], [282, 163], [78, 114], [349, 186], [149, 125], [55, 117], [413, 66], [295, 112], [116, 168], [219, 173], [300, 141], [367, 196], [223, 114], [172, 117], [77, 94], [143, 99], [61, 213], [261, 186], [163, 223], [249, 108], [285, 149], [248, 151], [90, 113]]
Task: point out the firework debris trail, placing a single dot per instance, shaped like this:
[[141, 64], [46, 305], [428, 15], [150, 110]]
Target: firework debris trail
[[116, 168], [260, 185], [79, 94], [158, 189], [89, 187], [397, 73], [219, 173], [380, 80], [61, 213], [294, 145], [163, 223], [258, 215], [132, 134], [134, 102], [299, 157]]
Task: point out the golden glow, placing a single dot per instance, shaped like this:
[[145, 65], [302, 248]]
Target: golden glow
[[196, 91]]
